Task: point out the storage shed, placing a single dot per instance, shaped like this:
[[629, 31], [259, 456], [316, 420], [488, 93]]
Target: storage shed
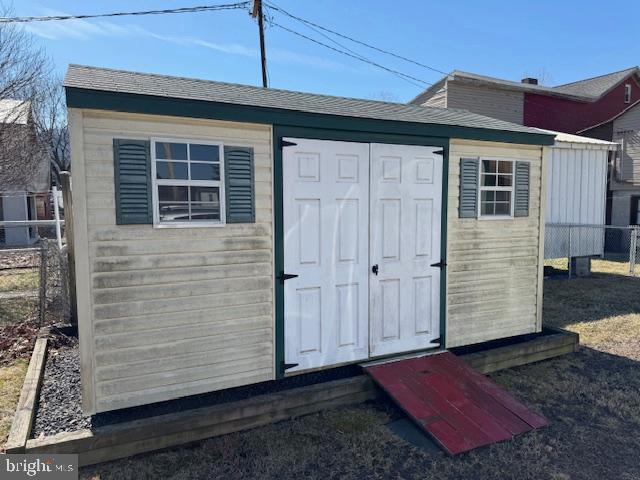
[[576, 195], [228, 234]]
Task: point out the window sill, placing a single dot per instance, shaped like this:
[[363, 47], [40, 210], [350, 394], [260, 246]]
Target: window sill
[[496, 217], [190, 225]]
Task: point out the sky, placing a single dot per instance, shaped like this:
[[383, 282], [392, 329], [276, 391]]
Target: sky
[[558, 41]]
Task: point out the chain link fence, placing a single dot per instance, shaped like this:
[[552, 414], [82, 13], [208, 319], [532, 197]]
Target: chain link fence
[[34, 284], [569, 248]]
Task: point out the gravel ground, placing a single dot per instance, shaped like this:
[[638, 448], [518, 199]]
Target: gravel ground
[[60, 396], [60, 408]]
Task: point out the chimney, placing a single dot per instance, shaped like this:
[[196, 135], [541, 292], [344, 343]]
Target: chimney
[[530, 81]]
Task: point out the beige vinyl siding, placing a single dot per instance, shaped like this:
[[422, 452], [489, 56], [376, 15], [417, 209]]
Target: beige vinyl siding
[[493, 265], [439, 99], [626, 131], [170, 311], [496, 103]]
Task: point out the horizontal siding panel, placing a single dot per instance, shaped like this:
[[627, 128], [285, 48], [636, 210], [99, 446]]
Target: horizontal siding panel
[[495, 103], [523, 328], [505, 263], [165, 247], [184, 389], [493, 254], [122, 356], [180, 306], [138, 323], [145, 233], [490, 273], [180, 290], [501, 284], [182, 332], [135, 369], [496, 305], [180, 376], [175, 275], [494, 296], [145, 262]]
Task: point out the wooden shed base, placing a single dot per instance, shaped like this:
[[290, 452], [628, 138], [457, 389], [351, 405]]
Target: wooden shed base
[[124, 439]]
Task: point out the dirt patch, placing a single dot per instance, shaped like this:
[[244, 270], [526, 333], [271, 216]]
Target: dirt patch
[[17, 341]]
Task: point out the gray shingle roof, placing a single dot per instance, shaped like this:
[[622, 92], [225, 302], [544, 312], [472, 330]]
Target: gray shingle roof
[[103, 79], [587, 90], [597, 86]]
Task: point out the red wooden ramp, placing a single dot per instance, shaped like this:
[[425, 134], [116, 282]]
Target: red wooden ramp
[[459, 407]]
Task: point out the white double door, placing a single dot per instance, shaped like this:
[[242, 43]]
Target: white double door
[[361, 232]]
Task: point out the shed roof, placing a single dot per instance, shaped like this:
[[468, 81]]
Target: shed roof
[[562, 137], [88, 78]]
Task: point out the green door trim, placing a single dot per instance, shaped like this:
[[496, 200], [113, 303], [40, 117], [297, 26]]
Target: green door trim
[[280, 131]]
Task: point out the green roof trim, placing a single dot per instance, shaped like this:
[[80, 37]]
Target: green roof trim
[[179, 107]]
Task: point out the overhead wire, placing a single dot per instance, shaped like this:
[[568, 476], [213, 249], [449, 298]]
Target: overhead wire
[[273, 6], [362, 59], [194, 9]]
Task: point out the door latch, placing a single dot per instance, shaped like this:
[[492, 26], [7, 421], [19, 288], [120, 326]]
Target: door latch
[[285, 276], [374, 269], [441, 264]]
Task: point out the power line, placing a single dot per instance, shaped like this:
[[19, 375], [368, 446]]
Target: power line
[[195, 9], [273, 6], [362, 59]]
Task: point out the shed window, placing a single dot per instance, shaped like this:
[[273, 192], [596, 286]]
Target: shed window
[[188, 187], [627, 93], [496, 188]]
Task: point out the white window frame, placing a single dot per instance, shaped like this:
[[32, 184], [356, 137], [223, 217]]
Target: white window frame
[[627, 93], [188, 183], [497, 188]]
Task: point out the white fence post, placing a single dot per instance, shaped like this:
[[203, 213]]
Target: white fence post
[[56, 215], [633, 246]]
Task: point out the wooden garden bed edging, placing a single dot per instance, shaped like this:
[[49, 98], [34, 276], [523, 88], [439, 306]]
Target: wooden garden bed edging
[[145, 435], [29, 395], [544, 347]]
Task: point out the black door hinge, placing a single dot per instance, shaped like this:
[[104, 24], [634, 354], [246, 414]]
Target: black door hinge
[[285, 276], [287, 366], [284, 143], [439, 152], [441, 264]]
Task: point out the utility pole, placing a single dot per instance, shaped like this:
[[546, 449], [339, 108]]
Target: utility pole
[[257, 12]]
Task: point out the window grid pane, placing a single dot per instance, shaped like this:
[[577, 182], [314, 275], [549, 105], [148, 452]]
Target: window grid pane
[[178, 167], [496, 187]]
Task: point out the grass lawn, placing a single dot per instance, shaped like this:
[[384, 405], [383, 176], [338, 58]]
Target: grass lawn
[[16, 279], [591, 397], [11, 378]]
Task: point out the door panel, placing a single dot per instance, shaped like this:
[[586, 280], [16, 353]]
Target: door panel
[[406, 199], [326, 229]]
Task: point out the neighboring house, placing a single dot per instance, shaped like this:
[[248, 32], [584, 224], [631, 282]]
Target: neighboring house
[[226, 235], [605, 107], [24, 172]]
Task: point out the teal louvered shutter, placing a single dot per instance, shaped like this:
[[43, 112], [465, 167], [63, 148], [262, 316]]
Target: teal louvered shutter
[[468, 187], [132, 174], [239, 181], [521, 205]]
